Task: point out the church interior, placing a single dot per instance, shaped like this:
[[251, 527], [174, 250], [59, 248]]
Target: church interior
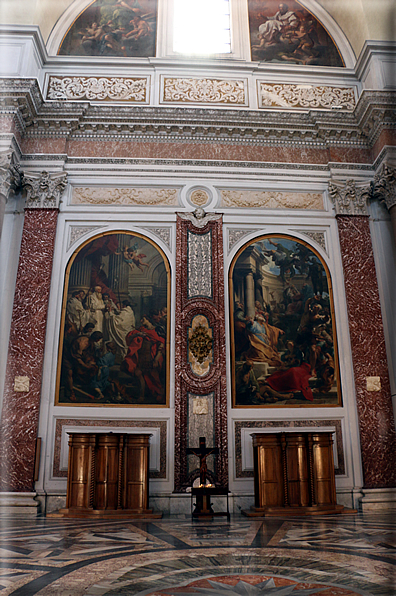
[[197, 289]]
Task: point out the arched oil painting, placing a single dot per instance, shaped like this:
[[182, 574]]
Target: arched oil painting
[[284, 350], [122, 28], [114, 341], [288, 33]]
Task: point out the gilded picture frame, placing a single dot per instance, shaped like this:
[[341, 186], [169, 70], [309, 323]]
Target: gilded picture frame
[[282, 323], [115, 330]]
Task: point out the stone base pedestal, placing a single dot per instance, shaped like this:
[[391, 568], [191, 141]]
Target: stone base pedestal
[[378, 500], [19, 503]]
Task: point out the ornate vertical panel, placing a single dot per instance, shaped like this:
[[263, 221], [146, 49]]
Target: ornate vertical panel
[[200, 293]]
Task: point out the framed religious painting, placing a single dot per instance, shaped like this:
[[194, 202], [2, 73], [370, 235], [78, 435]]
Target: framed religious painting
[[121, 28], [114, 339], [287, 33], [284, 345]]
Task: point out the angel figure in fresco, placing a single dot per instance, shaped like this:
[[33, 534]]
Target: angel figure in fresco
[[131, 257]]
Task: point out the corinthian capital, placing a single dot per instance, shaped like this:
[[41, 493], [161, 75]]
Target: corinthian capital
[[383, 187], [44, 191], [10, 174], [349, 198]]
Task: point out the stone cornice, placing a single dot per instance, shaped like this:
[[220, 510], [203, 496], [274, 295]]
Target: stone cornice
[[319, 128]]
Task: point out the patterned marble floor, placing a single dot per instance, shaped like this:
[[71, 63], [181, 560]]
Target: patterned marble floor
[[328, 555]]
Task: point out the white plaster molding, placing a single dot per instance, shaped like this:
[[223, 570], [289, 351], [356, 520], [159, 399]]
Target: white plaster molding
[[376, 65], [76, 232], [199, 217]]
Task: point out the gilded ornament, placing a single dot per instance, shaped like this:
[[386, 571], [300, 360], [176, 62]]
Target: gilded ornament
[[200, 343]]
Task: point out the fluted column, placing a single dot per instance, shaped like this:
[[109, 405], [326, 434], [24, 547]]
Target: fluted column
[[21, 405], [373, 395]]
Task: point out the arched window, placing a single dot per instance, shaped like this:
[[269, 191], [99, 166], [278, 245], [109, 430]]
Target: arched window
[[202, 27]]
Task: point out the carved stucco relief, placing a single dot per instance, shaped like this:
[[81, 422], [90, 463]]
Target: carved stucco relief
[[306, 96], [272, 199], [98, 89], [213, 91], [199, 265], [125, 196]]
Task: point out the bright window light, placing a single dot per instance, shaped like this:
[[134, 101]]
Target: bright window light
[[201, 27]]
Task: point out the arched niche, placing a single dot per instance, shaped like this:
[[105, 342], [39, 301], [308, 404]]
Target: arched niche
[[283, 337], [114, 338]]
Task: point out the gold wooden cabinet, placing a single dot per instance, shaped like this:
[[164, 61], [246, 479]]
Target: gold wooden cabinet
[[293, 474], [108, 476]]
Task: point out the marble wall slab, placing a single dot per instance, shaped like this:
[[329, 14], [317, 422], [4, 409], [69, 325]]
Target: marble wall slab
[[26, 351], [375, 412]]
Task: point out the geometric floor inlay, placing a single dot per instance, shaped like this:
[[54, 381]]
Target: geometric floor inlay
[[328, 555]]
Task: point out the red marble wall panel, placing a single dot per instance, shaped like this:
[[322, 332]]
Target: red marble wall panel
[[376, 422], [185, 381], [26, 350], [350, 155], [188, 150], [386, 138], [52, 146]]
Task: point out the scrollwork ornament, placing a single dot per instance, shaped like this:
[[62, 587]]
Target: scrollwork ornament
[[44, 191], [383, 187], [349, 198]]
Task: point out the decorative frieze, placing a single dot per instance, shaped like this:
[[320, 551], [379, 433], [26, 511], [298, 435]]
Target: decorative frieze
[[44, 191], [211, 91], [349, 198], [306, 96], [271, 199], [76, 88], [125, 196], [383, 188]]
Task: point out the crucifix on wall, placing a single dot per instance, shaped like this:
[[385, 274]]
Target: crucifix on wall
[[202, 452]]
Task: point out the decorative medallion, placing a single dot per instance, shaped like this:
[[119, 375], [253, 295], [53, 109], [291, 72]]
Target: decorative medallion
[[271, 199], [213, 91], [199, 197], [200, 344], [306, 96], [125, 196], [98, 89]]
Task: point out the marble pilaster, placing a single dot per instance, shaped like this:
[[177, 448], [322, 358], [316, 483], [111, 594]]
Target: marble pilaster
[[18, 431], [373, 395]]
